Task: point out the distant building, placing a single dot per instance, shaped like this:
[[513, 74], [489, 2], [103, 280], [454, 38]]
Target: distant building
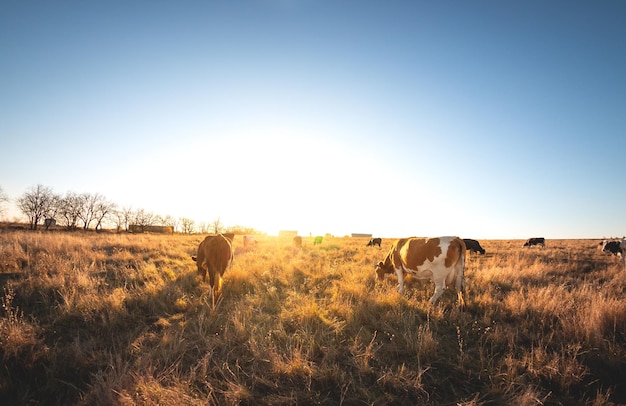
[[49, 222], [287, 233], [359, 235]]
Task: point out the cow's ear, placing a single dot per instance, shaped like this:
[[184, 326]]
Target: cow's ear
[[380, 264]]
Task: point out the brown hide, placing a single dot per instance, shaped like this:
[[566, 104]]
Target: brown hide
[[215, 255]]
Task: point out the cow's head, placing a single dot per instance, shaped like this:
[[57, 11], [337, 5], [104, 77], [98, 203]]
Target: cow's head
[[382, 269]]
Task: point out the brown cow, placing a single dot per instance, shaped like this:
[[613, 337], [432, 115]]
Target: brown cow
[[215, 254], [297, 241]]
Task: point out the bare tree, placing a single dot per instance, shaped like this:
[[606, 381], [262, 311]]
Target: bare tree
[[104, 208], [187, 225], [142, 219], [158, 220], [54, 209], [35, 203], [4, 199], [71, 207], [203, 227], [118, 219], [90, 204], [217, 225], [127, 216]]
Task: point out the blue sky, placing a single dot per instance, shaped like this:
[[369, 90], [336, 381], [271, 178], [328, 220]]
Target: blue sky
[[483, 119]]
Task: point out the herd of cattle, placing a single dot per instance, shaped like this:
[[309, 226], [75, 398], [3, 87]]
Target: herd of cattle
[[440, 259]]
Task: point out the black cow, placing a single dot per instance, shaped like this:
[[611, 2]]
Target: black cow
[[374, 241], [473, 246], [535, 241]]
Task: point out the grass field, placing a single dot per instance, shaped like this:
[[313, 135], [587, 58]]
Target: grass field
[[118, 319]]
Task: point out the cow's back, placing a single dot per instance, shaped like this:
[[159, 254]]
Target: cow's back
[[219, 253], [417, 252]]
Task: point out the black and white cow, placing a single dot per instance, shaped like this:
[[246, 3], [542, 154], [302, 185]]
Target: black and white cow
[[473, 246], [614, 247]]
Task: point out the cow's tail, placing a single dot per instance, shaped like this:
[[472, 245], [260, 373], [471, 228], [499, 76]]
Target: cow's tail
[[460, 275]]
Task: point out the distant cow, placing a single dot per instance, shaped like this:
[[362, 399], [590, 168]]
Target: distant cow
[[617, 248], [249, 240], [535, 241], [440, 259], [215, 254], [297, 241], [318, 240], [473, 246], [374, 241], [614, 247]]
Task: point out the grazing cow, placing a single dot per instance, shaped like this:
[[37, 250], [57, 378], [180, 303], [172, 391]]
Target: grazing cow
[[535, 241], [617, 248], [374, 241], [248, 241], [441, 259], [297, 241], [215, 254], [473, 246], [614, 247], [318, 240]]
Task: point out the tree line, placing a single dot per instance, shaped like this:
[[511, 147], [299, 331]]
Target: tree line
[[44, 207]]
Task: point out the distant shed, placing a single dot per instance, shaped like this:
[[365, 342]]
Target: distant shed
[[287, 233], [360, 235]]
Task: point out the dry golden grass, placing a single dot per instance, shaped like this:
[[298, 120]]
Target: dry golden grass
[[123, 319]]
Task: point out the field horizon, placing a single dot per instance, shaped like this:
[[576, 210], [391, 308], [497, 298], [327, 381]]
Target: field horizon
[[105, 318]]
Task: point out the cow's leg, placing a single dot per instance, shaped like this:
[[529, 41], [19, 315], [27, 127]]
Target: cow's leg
[[460, 277], [400, 274], [440, 286]]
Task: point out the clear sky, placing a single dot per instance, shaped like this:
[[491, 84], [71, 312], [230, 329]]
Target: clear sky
[[483, 119]]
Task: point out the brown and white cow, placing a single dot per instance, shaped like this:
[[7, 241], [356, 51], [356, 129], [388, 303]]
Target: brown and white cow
[[215, 254], [441, 259]]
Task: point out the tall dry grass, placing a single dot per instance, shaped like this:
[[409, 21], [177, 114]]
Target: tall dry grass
[[123, 319]]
